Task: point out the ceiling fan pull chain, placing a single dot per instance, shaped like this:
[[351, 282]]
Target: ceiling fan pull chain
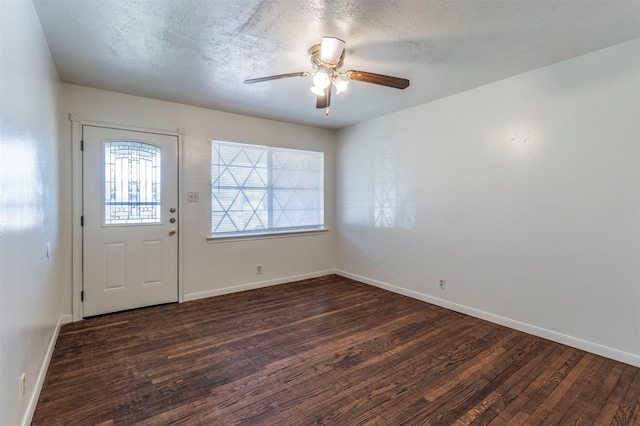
[[326, 111]]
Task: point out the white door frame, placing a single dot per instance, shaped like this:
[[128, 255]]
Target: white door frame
[[76, 196]]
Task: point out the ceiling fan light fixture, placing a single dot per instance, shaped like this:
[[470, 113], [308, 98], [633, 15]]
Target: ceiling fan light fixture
[[321, 79], [331, 50], [341, 82], [317, 91]]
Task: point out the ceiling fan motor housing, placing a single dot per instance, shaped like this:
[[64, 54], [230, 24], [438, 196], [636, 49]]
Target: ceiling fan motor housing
[[316, 61]]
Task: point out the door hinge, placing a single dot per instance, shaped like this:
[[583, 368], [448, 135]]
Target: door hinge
[[81, 220], [81, 145], [82, 296]]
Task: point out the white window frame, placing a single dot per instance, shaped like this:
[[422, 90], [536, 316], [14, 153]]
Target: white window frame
[[270, 231]]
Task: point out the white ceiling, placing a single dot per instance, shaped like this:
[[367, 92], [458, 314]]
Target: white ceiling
[[199, 52]]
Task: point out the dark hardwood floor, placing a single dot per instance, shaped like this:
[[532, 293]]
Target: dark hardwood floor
[[324, 351]]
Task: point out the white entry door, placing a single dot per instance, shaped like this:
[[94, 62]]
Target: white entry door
[[130, 219]]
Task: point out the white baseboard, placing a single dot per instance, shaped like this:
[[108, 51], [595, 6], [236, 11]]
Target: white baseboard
[[35, 395], [254, 285], [554, 336]]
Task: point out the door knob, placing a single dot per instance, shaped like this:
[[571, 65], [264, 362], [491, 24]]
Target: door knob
[[172, 210], [172, 231]]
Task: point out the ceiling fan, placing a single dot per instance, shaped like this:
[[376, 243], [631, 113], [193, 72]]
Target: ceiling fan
[[326, 59]]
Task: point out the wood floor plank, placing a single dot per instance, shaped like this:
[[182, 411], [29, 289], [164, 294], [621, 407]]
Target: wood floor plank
[[626, 410], [501, 396], [601, 394], [327, 350], [476, 388], [537, 390], [583, 393], [558, 402]]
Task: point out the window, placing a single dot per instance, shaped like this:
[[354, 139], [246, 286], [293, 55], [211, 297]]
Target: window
[[132, 183], [258, 189]]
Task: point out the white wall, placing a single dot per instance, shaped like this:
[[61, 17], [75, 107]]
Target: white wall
[[29, 207], [523, 194], [220, 267]]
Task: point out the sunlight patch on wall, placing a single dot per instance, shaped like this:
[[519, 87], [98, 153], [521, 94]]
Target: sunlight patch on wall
[[21, 205], [394, 203]]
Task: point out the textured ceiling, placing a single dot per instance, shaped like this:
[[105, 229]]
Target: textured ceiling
[[199, 52]]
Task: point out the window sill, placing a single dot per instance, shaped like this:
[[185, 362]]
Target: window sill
[[264, 235]]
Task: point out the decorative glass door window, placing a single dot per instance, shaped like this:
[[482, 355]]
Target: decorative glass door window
[[132, 183]]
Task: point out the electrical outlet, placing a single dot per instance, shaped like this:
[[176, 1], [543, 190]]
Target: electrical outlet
[[442, 284], [258, 269], [23, 385]]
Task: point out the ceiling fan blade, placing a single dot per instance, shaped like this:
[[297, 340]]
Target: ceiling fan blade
[[324, 101], [276, 77], [331, 50], [383, 80]]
